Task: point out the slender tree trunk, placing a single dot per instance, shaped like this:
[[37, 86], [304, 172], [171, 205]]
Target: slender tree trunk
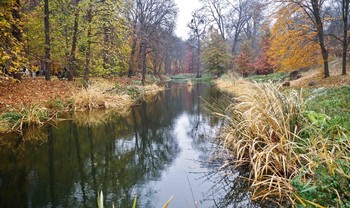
[[167, 63], [47, 41], [106, 46], [345, 14], [320, 34], [132, 58], [72, 70], [143, 48], [106, 32], [133, 52], [199, 58], [88, 50]]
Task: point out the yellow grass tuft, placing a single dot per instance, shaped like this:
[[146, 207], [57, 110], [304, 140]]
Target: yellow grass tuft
[[261, 129], [100, 95]]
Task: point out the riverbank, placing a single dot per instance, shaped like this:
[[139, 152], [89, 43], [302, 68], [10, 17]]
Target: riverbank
[[34, 101], [296, 142]]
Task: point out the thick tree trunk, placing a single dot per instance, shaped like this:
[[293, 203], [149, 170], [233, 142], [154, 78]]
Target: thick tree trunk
[[47, 41], [72, 70], [16, 31], [320, 34]]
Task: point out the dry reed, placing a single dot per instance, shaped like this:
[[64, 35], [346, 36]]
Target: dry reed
[[100, 95], [266, 129]]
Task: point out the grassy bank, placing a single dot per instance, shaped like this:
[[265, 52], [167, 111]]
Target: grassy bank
[[99, 94], [192, 78], [296, 144]]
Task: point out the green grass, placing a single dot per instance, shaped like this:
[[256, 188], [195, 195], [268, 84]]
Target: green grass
[[274, 77], [184, 77], [16, 120], [335, 103]]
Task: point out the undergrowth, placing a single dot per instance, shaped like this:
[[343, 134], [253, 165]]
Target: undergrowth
[[17, 120], [297, 156], [274, 77]]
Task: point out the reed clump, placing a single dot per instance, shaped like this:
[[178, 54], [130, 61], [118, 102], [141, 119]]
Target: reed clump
[[289, 155], [17, 120], [100, 95]]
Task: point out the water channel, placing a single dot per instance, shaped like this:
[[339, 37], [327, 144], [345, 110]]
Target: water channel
[[157, 150]]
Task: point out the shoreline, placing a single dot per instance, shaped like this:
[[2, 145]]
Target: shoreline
[[278, 132], [34, 109]]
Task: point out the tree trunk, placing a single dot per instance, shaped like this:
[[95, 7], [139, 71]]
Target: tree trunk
[[320, 34], [199, 58], [105, 50], [345, 14], [47, 41], [143, 47], [72, 70], [88, 50], [133, 52], [16, 30], [132, 56], [167, 63]]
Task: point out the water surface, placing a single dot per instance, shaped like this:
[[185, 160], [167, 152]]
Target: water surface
[[160, 149]]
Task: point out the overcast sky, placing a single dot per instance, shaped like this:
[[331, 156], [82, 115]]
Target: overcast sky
[[184, 16]]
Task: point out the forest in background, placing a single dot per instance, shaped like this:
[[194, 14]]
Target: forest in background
[[127, 37]]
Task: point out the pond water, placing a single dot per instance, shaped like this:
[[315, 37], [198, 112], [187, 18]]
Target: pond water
[[159, 149]]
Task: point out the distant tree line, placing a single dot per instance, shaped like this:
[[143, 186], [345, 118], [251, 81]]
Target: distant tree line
[[131, 37]]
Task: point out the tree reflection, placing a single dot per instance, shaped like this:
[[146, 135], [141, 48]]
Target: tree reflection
[[118, 155]]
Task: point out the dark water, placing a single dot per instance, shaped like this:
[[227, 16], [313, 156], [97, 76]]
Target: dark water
[[160, 149]]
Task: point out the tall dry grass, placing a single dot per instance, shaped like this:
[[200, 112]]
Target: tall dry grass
[[99, 94], [261, 128], [267, 130]]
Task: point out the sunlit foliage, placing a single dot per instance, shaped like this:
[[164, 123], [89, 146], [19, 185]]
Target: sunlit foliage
[[11, 36]]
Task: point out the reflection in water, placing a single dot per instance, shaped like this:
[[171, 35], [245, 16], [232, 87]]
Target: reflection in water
[[160, 149]]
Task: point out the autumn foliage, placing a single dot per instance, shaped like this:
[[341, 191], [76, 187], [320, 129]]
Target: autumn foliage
[[292, 42], [262, 64], [244, 62]]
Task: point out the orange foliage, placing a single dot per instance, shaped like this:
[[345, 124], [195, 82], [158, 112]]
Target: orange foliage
[[292, 43]]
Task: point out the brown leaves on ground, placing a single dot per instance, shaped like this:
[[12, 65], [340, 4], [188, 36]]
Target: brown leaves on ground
[[34, 91], [317, 75]]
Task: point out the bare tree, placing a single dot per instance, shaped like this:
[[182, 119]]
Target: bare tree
[[151, 16], [217, 12], [340, 26], [198, 26], [240, 15]]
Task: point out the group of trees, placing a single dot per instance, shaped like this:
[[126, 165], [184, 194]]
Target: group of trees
[[88, 37], [267, 35], [137, 36]]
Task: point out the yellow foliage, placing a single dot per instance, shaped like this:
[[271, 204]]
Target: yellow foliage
[[292, 43], [12, 49]]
